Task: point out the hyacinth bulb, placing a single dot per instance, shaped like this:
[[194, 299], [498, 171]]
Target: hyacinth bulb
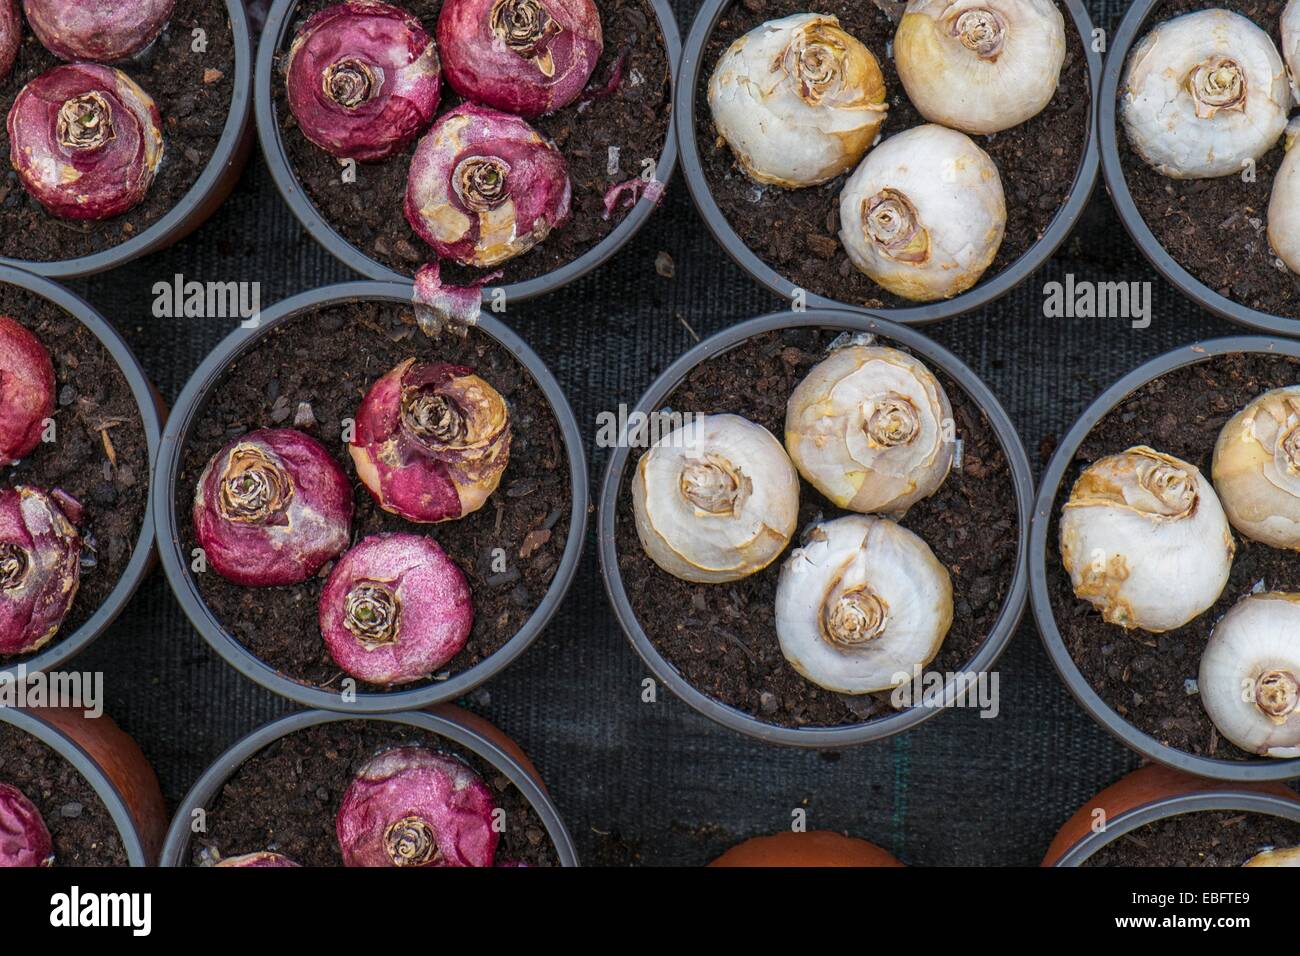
[[11, 36], [86, 141], [1250, 675], [432, 441], [924, 214], [363, 80], [1145, 541], [100, 31], [861, 603], [1257, 469], [1203, 95], [271, 508], [798, 100], [256, 861], [869, 427], [1291, 43], [486, 187], [26, 391], [980, 66], [527, 57], [1284, 203], [414, 807], [395, 609], [1289, 856], [40, 565], [24, 839]]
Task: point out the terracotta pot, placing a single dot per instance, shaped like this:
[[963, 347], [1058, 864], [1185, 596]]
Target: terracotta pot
[[818, 848]]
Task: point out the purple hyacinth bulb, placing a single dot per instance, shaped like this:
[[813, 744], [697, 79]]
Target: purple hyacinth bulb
[[40, 565], [99, 31], [24, 839], [11, 36], [26, 391]]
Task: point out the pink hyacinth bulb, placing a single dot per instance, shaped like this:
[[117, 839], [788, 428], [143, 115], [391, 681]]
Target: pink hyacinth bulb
[[11, 36], [485, 187], [395, 609], [431, 441], [271, 508], [40, 565], [100, 31], [414, 807], [363, 80], [86, 141], [24, 839], [262, 860], [26, 391], [522, 56]]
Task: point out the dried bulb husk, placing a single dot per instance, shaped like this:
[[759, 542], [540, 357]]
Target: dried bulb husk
[[1284, 203], [1145, 541], [798, 100], [716, 500], [1288, 856], [860, 604], [924, 214], [869, 428], [980, 66], [1257, 469], [1204, 94], [1250, 675]]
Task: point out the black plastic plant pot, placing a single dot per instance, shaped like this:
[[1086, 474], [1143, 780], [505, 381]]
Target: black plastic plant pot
[[170, 505], [278, 36], [64, 647], [1042, 551], [1130, 29], [1003, 436], [113, 766], [695, 70], [203, 198], [472, 737]]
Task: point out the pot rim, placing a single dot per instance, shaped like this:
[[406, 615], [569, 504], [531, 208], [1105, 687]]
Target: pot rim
[[1212, 767], [221, 769], [176, 565], [1117, 186], [31, 722], [983, 293], [1163, 807], [935, 355], [158, 235], [278, 25], [63, 649]]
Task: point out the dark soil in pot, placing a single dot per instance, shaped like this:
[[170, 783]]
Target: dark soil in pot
[[368, 213], [1207, 838], [95, 411], [83, 832], [329, 358], [796, 232], [1143, 677], [193, 92], [1215, 228], [286, 797], [722, 638]]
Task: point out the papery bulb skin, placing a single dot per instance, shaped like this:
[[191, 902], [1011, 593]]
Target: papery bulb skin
[[11, 36], [1290, 856], [432, 441], [860, 604], [715, 500], [1257, 469], [258, 861], [271, 508], [1145, 540], [526, 57], [98, 31], [414, 807], [1203, 95], [1284, 203], [486, 187], [40, 566], [1250, 675], [363, 80], [24, 839], [395, 609], [86, 141], [980, 66], [924, 214], [26, 391], [798, 100], [870, 428]]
